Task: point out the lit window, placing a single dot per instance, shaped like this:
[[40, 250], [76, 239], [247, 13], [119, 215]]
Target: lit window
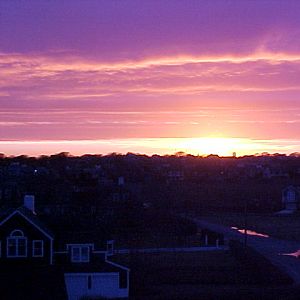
[[80, 254], [38, 248], [17, 244]]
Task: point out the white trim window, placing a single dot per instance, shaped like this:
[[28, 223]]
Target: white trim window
[[80, 254], [16, 244], [37, 248], [291, 196]]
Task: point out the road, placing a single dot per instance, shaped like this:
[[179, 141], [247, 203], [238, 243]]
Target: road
[[274, 249]]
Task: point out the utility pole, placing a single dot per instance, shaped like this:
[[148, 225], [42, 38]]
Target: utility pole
[[246, 223]]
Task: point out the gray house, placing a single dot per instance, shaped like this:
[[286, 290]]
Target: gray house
[[64, 266], [290, 199]]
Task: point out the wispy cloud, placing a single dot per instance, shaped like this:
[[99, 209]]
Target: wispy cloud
[[42, 77], [107, 70]]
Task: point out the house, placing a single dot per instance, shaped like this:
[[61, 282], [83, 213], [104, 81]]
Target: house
[[290, 199], [175, 176], [273, 172], [70, 266]]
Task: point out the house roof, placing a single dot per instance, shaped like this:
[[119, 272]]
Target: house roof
[[80, 237], [63, 231], [98, 266], [296, 189], [81, 230], [29, 216]]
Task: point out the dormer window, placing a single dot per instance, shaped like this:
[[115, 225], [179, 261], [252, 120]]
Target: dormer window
[[80, 253], [17, 244]]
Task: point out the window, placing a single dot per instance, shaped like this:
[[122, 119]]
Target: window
[[80, 254], [291, 196], [38, 248], [17, 244], [76, 254]]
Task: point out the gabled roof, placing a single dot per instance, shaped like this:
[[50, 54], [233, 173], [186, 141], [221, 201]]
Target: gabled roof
[[292, 187], [295, 189], [97, 266], [30, 217], [77, 236]]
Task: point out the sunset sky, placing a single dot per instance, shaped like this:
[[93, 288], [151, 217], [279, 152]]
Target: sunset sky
[[149, 76]]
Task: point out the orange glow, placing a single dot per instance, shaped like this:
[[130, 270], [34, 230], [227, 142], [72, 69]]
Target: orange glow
[[216, 145], [196, 146], [251, 232], [295, 254]]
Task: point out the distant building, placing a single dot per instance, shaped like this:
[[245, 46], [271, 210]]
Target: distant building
[[290, 199], [269, 172], [71, 267], [175, 176]]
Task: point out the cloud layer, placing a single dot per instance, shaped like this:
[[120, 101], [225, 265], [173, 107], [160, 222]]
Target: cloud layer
[[111, 70]]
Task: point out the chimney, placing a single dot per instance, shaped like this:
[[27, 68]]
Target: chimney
[[29, 202]]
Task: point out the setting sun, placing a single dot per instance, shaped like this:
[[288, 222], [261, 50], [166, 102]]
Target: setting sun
[[221, 146], [212, 145]]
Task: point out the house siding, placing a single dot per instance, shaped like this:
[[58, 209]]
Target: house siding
[[102, 284]]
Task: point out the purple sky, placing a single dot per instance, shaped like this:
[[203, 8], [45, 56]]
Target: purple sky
[[75, 73]]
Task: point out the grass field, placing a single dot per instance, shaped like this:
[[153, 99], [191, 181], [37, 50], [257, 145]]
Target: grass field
[[198, 275], [282, 227], [157, 274], [158, 241], [221, 292], [178, 259], [213, 267]]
